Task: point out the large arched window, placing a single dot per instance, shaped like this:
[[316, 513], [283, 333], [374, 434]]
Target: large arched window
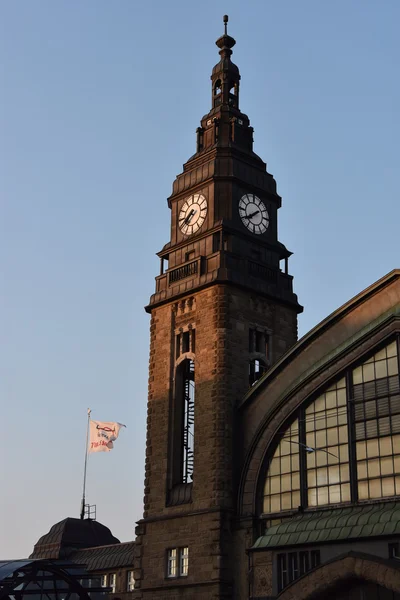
[[343, 446]]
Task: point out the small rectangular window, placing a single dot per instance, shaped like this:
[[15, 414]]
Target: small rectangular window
[[282, 572], [130, 581], [394, 550], [171, 562], [304, 563], [104, 581], [293, 566], [183, 561], [178, 562], [189, 255], [216, 241], [315, 558], [112, 582], [178, 345], [185, 342], [260, 341]]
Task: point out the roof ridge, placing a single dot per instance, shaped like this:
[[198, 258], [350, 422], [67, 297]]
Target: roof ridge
[[105, 546]]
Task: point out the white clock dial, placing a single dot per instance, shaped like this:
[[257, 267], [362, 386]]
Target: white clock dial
[[192, 214], [253, 213]]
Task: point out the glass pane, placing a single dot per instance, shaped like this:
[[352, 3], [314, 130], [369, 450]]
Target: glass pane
[[381, 369], [397, 464], [385, 446], [295, 499], [344, 453], [357, 375], [361, 449], [275, 503], [392, 349], [330, 399], [393, 367], [334, 494], [312, 496], [311, 460], [319, 404], [267, 504], [362, 469], [381, 355], [372, 448], [320, 439], [334, 474], [321, 458], [363, 492], [333, 437], [311, 477], [286, 482], [274, 467], [344, 473], [322, 476], [388, 486], [286, 501], [323, 497], [285, 464], [341, 397], [387, 466], [275, 485], [343, 435], [368, 372], [295, 462], [375, 490], [295, 481], [374, 468], [346, 492]]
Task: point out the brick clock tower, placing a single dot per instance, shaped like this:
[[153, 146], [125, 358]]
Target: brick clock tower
[[222, 313]]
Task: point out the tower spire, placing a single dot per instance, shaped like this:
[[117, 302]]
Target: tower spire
[[225, 76], [226, 19]]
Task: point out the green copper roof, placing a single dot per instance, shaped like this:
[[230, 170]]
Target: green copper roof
[[347, 523]]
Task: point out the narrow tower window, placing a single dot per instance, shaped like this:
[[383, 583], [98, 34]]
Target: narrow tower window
[[182, 424], [188, 423]]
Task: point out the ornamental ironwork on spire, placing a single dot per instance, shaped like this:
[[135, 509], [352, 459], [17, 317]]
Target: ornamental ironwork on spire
[[225, 75]]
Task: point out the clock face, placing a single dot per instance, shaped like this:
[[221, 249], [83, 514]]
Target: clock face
[[253, 213], [192, 214]]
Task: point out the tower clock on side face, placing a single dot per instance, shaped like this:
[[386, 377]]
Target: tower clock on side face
[[192, 214], [253, 213]]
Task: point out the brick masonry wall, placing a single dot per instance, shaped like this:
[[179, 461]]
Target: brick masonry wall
[[221, 316]]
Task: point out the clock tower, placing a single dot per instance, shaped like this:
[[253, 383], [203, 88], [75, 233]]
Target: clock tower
[[222, 313]]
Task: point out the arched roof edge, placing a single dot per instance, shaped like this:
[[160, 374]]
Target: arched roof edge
[[317, 331]]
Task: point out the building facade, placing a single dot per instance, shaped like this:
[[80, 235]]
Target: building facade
[[272, 466]]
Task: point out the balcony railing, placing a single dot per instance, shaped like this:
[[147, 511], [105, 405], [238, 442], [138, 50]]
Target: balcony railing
[[262, 271], [184, 271]]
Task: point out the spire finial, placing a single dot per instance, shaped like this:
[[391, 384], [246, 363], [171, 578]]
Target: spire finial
[[226, 19]]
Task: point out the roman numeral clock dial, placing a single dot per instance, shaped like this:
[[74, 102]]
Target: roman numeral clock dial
[[253, 213], [192, 214]]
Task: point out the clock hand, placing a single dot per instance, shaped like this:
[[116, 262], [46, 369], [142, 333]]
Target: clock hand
[[252, 215], [189, 217]]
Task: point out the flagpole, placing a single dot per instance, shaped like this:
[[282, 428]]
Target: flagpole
[[84, 471]]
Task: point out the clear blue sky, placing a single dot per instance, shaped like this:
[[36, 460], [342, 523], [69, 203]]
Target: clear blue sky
[[99, 105]]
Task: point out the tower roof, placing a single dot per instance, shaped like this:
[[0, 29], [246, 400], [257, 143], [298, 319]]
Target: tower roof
[[225, 43], [71, 533]]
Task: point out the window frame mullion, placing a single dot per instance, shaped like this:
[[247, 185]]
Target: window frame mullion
[[303, 458], [351, 432]]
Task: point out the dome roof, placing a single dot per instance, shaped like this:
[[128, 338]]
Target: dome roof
[[71, 534]]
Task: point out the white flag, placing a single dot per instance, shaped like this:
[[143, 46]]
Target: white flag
[[102, 435]]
